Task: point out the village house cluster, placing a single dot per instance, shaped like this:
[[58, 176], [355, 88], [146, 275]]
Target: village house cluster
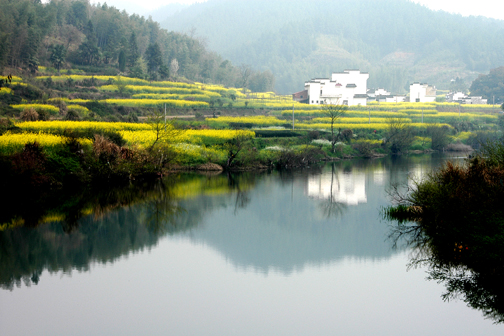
[[350, 88]]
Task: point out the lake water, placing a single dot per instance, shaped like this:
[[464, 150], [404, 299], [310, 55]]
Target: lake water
[[291, 253]]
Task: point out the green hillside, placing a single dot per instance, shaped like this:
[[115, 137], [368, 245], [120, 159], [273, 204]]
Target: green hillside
[[79, 37], [397, 41]]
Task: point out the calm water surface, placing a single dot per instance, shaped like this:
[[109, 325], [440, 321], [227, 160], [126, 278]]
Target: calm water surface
[[299, 253]]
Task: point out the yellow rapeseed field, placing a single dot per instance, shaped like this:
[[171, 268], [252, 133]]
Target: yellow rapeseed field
[[147, 137], [159, 103], [11, 143], [354, 120], [378, 126], [255, 120], [49, 108], [57, 125]]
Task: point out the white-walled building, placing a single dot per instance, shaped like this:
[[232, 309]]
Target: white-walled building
[[384, 96], [345, 88], [422, 93], [462, 98]]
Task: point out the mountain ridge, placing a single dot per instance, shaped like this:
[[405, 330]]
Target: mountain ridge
[[385, 38]]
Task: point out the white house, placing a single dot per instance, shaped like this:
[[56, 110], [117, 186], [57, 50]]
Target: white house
[[422, 93], [461, 98], [346, 88], [384, 96]]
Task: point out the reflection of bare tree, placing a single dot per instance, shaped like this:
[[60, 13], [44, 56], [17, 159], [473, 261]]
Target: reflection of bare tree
[[242, 197], [162, 212], [331, 207]]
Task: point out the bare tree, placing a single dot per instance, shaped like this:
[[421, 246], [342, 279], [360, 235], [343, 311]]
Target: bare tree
[[334, 112], [165, 131], [235, 145], [245, 73]]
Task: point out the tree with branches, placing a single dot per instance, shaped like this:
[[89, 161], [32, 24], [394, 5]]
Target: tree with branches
[[399, 135], [57, 57], [334, 112]]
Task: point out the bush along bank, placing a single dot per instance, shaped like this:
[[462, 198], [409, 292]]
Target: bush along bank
[[454, 219]]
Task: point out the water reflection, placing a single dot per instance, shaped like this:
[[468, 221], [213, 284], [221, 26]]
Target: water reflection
[[271, 221], [339, 186], [461, 249], [476, 282]]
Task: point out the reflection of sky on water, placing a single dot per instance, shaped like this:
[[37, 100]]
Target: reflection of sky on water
[[269, 266], [416, 174], [342, 187]]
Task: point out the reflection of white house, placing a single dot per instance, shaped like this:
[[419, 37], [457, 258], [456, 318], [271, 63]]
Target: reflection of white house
[[346, 188], [379, 176], [422, 93], [417, 174], [345, 88]]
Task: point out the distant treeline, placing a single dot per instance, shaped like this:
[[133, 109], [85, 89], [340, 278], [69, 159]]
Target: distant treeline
[[100, 39], [397, 41]]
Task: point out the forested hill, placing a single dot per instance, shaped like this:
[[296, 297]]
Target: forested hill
[[99, 39], [397, 41]]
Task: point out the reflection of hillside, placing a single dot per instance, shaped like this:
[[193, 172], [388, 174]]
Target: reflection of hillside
[[261, 221], [106, 236], [284, 229]]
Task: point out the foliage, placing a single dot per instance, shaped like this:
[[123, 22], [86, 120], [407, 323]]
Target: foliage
[[453, 219], [58, 54], [235, 145], [490, 86], [101, 39], [439, 136], [399, 135]]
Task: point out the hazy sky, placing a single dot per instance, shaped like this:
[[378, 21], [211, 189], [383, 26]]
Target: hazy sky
[[490, 8]]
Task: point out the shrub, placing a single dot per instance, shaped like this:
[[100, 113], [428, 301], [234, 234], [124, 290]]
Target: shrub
[[29, 114], [72, 115]]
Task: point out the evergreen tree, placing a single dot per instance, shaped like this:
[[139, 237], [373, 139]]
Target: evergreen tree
[[57, 57], [133, 52], [88, 52], [154, 58], [122, 61]]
